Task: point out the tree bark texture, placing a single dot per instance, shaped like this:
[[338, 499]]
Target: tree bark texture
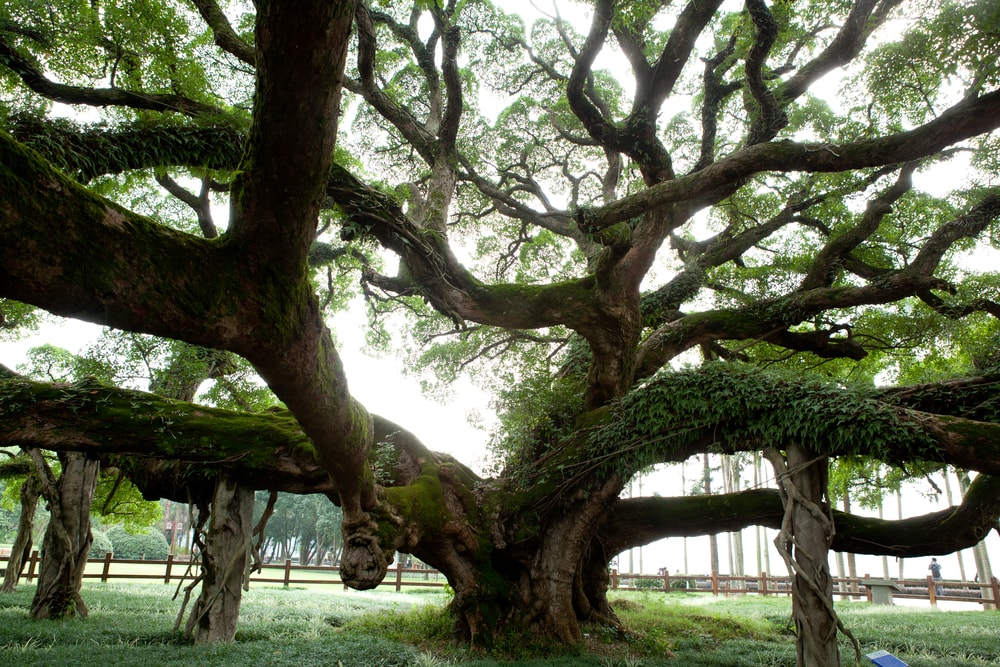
[[67, 539], [223, 563], [19, 551], [804, 542]]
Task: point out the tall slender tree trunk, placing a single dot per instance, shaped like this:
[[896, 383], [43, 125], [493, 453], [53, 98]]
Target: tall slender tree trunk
[[885, 559], [985, 572], [713, 540], [224, 558], [757, 534], [67, 539], [738, 558], [687, 569], [841, 571], [899, 515], [852, 561], [31, 489], [761, 482], [951, 503]]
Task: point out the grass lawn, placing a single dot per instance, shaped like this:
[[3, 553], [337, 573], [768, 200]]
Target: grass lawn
[[132, 624]]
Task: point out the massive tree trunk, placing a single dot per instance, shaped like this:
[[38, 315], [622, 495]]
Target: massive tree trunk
[[68, 537], [223, 563], [20, 550]]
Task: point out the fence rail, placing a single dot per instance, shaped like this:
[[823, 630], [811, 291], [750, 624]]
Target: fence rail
[[872, 589], [287, 573]]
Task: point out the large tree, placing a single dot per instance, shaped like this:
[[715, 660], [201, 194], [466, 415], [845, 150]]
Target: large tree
[[571, 208]]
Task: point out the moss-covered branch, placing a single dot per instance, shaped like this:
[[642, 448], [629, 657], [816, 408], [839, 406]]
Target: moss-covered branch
[[267, 450], [729, 407], [88, 152], [78, 255], [85, 153]]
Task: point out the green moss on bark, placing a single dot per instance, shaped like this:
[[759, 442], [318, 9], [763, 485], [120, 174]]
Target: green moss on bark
[[118, 420]]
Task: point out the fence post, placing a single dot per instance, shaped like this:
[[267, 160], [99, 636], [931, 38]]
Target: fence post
[[931, 593], [288, 571], [666, 581], [614, 578], [31, 565], [107, 568], [399, 575], [715, 583], [995, 585], [170, 564], [763, 583], [868, 590]]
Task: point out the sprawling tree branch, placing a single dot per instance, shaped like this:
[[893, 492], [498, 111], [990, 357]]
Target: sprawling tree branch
[[638, 521], [968, 118], [34, 78], [225, 37]]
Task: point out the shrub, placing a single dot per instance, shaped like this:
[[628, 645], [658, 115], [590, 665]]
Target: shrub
[[152, 546], [100, 546]]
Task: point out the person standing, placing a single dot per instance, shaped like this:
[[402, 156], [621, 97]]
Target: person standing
[[935, 569]]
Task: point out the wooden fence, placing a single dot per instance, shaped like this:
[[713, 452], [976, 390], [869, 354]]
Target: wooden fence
[[987, 594], [287, 574]]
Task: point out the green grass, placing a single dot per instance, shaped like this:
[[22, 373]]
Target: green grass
[[132, 624]]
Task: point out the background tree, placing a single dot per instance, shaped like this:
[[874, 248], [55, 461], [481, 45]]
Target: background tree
[[18, 474], [570, 245], [303, 527]]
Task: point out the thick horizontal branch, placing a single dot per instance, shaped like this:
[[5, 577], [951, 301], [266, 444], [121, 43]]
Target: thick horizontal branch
[[970, 398], [446, 284], [729, 407], [768, 319], [266, 450], [86, 153], [639, 521], [52, 244]]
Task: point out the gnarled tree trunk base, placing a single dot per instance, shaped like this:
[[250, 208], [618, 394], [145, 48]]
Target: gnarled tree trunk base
[[216, 612], [67, 539]]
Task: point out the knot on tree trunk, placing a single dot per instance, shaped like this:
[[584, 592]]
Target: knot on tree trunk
[[363, 564]]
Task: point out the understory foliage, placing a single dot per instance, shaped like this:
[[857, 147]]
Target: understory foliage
[[146, 545], [646, 231]]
